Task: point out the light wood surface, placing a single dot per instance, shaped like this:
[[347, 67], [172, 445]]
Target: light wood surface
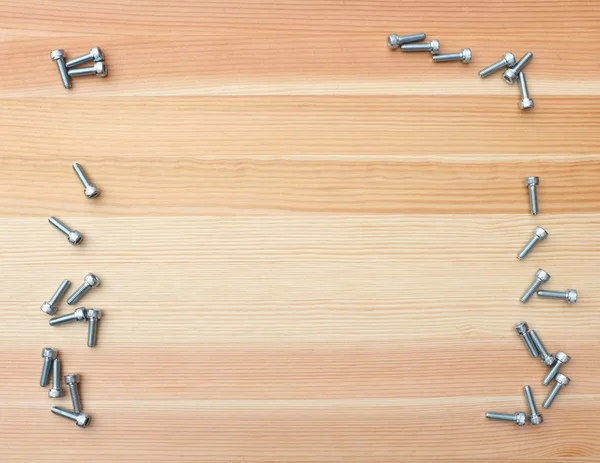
[[306, 241]]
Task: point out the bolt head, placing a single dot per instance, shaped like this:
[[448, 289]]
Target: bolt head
[[540, 233], [520, 418], [57, 54], [571, 295], [49, 352], [435, 47], [562, 357], [93, 313], [548, 360], [49, 309], [56, 393], [92, 280], [83, 419], [526, 103], [531, 181], [75, 237], [510, 76], [97, 54], [466, 55], [80, 313], [562, 379], [73, 378], [542, 275], [510, 59], [91, 192], [393, 41], [101, 69], [521, 328], [536, 419]]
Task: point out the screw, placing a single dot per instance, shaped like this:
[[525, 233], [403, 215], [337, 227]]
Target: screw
[[464, 56], [81, 419], [538, 235], [58, 56], [546, 358], [526, 102], [561, 358], [507, 61], [89, 281], [531, 183], [72, 381], [73, 236], [98, 69], [56, 391], [93, 315], [522, 330], [561, 380], [394, 41], [540, 277], [90, 191], [534, 418], [433, 47], [48, 354], [511, 74], [95, 54], [519, 418], [50, 307], [77, 315], [570, 295]]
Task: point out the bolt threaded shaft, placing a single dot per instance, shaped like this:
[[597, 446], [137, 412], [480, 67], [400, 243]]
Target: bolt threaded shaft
[[553, 393], [46, 369], [78, 294]]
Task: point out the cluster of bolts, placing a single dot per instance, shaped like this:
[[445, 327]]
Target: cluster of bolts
[[513, 74], [407, 43], [68, 69]]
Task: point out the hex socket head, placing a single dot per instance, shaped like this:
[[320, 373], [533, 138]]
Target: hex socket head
[[562, 379], [542, 275], [435, 47], [57, 54], [97, 54], [80, 314], [75, 237], [393, 41], [73, 378], [536, 419], [510, 76], [562, 357], [548, 360], [91, 191], [56, 393], [522, 328], [83, 419], [571, 295], [101, 69], [540, 233], [49, 309], [526, 103], [531, 181], [93, 313], [92, 280], [49, 352], [466, 55], [520, 418], [510, 59]]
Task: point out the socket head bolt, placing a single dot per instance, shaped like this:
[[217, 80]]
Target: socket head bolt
[[89, 190], [432, 47], [547, 359], [561, 358], [522, 330], [394, 41], [511, 75], [56, 391], [80, 419], [93, 315], [73, 236], [541, 277], [561, 381], [89, 281], [78, 315], [98, 69], [539, 234], [58, 56], [507, 61], [534, 416], [519, 418], [570, 295], [465, 56], [49, 355], [95, 54], [526, 101], [50, 307]]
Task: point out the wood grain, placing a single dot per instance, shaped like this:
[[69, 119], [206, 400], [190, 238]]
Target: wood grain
[[306, 241]]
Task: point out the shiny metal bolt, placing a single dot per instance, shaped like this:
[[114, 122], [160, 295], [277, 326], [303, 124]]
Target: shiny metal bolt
[[98, 69], [93, 315], [526, 101], [81, 419], [95, 54], [511, 75], [73, 236], [546, 358], [534, 417], [561, 381], [507, 61], [522, 330], [540, 277], [58, 56], [532, 183], [539, 234], [394, 41], [570, 295], [72, 381], [518, 418], [464, 56], [561, 358], [89, 281], [51, 306], [78, 315], [433, 47], [49, 355], [90, 191], [56, 391]]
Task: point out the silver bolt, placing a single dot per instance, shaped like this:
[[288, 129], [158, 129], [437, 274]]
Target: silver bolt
[[512, 74], [526, 102], [561, 381], [433, 47], [95, 54], [522, 330], [73, 236], [570, 295], [72, 381], [51, 307], [89, 281], [507, 61], [518, 418], [394, 41], [540, 277], [532, 183], [78, 315], [56, 391], [93, 315], [546, 358], [464, 56], [539, 234], [49, 355], [98, 69], [534, 417], [81, 419], [90, 191], [58, 56], [561, 358]]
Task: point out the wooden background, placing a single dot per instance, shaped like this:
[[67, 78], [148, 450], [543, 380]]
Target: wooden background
[[306, 241]]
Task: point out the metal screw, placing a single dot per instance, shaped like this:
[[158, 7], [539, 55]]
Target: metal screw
[[464, 56], [48, 354], [95, 54], [73, 236], [433, 47], [93, 315], [518, 418], [570, 295], [546, 358], [56, 391], [526, 102], [522, 330], [539, 234], [561, 380], [561, 358], [58, 56], [81, 419], [89, 281], [511, 74], [98, 69], [507, 61], [72, 381], [531, 183], [51, 307], [534, 417], [540, 277], [78, 315], [394, 41], [90, 191]]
